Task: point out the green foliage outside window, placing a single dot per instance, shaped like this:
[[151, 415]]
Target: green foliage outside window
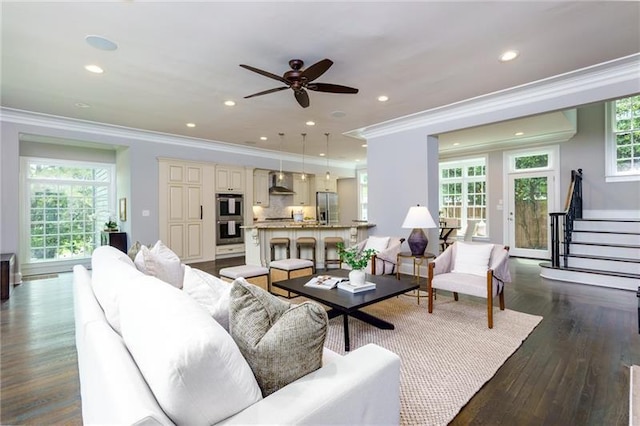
[[627, 134]]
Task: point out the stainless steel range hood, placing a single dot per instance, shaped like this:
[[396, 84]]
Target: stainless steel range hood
[[281, 187]]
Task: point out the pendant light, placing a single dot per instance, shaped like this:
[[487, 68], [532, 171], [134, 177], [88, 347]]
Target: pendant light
[[328, 175], [280, 174], [304, 137]]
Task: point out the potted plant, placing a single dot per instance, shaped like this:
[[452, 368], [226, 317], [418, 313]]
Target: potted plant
[[110, 225], [357, 260]]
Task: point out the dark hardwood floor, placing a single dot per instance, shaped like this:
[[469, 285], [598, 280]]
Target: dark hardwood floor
[[571, 370]]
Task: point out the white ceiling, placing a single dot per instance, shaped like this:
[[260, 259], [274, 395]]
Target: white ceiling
[[178, 62]]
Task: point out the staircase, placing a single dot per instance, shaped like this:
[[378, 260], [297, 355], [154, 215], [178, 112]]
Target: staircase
[[603, 252]]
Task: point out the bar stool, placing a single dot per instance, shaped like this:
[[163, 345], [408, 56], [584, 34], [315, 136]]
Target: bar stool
[[310, 243], [277, 242], [332, 243]]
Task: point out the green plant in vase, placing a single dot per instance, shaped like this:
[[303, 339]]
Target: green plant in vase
[[110, 225], [357, 260]]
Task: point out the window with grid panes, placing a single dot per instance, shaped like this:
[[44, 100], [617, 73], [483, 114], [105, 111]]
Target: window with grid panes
[[623, 139], [463, 194], [66, 202]]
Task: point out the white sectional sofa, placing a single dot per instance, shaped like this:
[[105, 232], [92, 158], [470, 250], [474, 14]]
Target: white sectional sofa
[[362, 387]]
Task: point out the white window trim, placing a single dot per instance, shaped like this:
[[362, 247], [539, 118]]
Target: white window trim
[[45, 267], [610, 150], [462, 162]]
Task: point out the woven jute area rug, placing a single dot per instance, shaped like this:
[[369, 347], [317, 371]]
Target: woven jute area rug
[[446, 356], [634, 395]]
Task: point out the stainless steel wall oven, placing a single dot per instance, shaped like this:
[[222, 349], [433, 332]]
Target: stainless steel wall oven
[[229, 208]]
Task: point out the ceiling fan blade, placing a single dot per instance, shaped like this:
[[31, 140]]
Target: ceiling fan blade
[[265, 73], [317, 69], [331, 88], [302, 97], [266, 92]]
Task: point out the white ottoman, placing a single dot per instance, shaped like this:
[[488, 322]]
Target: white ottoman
[[256, 275], [286, 269]]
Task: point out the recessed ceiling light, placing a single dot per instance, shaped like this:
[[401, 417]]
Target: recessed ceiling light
[[519, 133], [310, 123], [94, 69], [100, 42], [229, 103], [364, 145], [191, 124], [82, 105], [383, 98], [263, 138], [322, 154], [338, 114], [509, 55], [357, 160], [456, 143]]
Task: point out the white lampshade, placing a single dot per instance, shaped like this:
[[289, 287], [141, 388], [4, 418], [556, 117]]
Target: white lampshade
[[418, 217]]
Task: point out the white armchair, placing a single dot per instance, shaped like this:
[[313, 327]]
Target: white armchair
[[386, 257], [476, 269]]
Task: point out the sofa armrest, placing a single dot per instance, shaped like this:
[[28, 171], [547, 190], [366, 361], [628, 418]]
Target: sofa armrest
[[361, 388]]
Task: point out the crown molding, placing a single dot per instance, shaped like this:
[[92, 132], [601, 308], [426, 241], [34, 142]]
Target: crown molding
[[553, 90], [29, 118]]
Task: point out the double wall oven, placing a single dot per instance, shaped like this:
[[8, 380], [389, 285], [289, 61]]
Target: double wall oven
[[229, 208]]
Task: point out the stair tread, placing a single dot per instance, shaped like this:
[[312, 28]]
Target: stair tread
[[631, 246], [613, 219], [589, 231], [592, 271], [613, 259]]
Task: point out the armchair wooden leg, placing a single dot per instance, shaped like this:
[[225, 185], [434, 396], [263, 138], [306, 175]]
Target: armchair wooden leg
[[502, 300], [429, 287], [490, 298], [455, 296]]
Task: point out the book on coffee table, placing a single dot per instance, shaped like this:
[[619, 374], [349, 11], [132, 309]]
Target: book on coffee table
[[325, 282], [347, 286]]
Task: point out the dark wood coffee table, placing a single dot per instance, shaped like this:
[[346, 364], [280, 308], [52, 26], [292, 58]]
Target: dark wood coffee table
[[349, 304]]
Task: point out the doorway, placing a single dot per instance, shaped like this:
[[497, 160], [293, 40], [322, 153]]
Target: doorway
[[531, 196]]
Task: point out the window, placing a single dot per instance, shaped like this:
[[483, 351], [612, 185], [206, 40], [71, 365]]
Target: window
[[463, 192], [362, 195], [64, 204], [623, 139]]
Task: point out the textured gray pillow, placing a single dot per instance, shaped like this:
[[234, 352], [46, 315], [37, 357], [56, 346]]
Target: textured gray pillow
[[281, 341]]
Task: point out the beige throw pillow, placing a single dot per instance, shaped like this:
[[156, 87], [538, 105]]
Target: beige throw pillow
[[281, 341]]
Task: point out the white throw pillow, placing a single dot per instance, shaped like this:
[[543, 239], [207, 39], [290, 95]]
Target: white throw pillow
[[192, 365], [472, 258], [160, 262], [377, 243], [210, 292]]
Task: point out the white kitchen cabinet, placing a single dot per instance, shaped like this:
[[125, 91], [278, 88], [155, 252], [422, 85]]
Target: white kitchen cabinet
[[301, 189], [181, 207], [322, 184], [229, 179], [261, 188]]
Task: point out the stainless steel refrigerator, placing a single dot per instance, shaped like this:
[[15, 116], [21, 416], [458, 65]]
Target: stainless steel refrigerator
[[327, 207]]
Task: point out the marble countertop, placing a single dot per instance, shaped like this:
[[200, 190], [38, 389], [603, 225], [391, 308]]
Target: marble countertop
[[306, 225]]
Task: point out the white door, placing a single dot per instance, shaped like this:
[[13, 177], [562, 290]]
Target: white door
[[530, 200]]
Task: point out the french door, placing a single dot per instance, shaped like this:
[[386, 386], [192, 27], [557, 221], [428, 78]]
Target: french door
[[531, 199]]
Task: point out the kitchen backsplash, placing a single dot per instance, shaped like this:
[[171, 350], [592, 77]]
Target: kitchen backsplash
[[281, 206]]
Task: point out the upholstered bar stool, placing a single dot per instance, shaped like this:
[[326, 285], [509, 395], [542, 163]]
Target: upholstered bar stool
[[332, 243], [286, 269], [256, 275], [279, 242], [307, 243]]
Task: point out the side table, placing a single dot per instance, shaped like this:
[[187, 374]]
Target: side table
[[418, 260], [7, 274]]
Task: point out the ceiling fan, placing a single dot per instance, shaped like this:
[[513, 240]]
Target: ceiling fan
[[299, 79]]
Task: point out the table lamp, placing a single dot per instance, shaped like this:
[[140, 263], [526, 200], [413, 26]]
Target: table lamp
[[417, 218]]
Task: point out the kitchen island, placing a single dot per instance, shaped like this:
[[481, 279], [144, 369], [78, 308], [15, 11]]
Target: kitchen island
[[257, 237]]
